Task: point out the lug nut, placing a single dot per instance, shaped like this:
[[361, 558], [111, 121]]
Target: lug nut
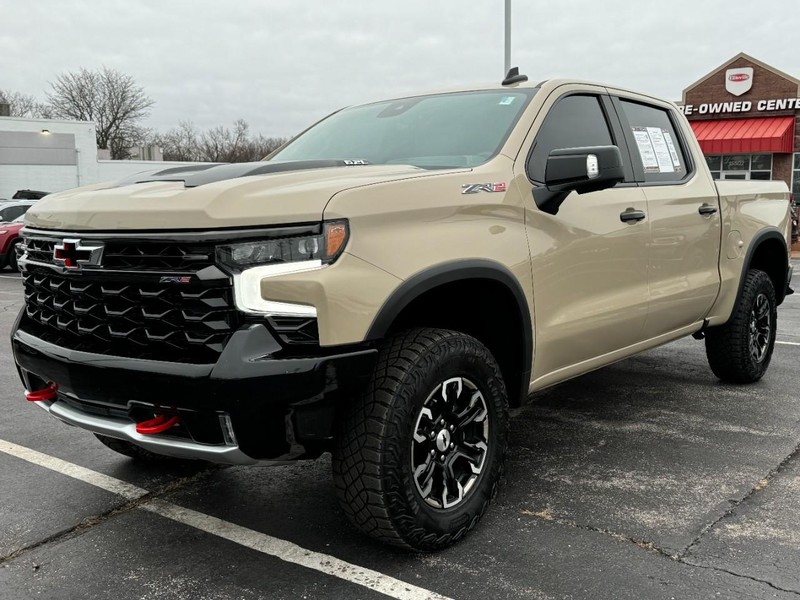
[[452, 446], [441, 457], [452, 428], [433, 452]]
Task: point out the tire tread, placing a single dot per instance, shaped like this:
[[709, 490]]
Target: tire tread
[[726, 347], [372, 496]]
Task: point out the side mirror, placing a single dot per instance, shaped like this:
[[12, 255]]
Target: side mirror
[[583, 169]]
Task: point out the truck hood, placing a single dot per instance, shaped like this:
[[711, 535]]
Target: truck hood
[[213, 196]]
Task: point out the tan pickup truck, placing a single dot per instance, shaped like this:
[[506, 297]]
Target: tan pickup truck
[[389, 282]]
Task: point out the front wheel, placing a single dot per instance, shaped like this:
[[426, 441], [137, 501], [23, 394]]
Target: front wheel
[[419, 455], [740, 350]]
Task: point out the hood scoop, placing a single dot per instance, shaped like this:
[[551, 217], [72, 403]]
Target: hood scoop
[[197, 175]]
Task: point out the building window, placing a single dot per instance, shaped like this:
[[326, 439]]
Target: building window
[[796, 178], [714, 165], [742, 166]]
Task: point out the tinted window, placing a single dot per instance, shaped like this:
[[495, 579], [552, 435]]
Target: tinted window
[[574, 122], [656, 145], [12, 212]]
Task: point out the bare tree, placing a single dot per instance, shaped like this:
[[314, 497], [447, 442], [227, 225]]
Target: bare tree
[[262, 146], [25, 105], [111, 99], [221, 144], [179, 143], [218, 144]]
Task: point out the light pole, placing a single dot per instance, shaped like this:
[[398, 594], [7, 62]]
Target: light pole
[[508, 38]]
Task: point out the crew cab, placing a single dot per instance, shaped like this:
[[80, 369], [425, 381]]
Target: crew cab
[[388, 283]]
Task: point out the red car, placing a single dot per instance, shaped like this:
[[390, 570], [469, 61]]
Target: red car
[[9, 238]]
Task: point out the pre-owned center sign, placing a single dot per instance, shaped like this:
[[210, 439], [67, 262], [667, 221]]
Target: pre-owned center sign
[[716, 108]]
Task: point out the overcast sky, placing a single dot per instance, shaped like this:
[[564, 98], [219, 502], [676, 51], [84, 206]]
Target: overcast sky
[[282, 64]]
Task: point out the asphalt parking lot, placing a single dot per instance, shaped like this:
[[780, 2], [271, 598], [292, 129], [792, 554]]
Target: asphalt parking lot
[[647, 479]]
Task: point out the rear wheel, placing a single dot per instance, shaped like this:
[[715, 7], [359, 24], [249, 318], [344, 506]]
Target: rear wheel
[[419, 455], [740, 350]]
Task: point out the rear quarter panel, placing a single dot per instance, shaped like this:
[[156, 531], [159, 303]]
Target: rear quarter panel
[[747, 208]]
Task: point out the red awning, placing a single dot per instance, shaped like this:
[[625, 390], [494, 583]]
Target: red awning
[[747, 136]]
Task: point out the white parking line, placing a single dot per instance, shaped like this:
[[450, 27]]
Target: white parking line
[[788, 343], [249, 538], [110, 484], [9, 277]]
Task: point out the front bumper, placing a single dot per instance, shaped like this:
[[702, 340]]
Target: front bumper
[[251, 407]]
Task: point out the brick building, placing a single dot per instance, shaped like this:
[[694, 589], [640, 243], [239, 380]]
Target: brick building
[[745, 115]]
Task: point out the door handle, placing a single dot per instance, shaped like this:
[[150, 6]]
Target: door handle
[[631, 215], [707, 209]]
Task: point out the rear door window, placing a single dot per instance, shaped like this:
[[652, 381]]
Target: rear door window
[[655, 144]]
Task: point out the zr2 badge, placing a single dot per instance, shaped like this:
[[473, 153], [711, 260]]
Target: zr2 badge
[[474, 188]]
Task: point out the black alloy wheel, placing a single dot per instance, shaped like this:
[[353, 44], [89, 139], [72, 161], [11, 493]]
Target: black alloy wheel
[[450, 444]]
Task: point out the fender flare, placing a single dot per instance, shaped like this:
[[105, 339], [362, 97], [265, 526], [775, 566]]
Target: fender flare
[[450, 272], [761, 237]]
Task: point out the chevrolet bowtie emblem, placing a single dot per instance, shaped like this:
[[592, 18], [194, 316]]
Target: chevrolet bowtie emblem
[[73, 254]]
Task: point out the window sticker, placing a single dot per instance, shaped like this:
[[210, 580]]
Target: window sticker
[[676, 161], [661, 150], [507, 100], [646, 151]]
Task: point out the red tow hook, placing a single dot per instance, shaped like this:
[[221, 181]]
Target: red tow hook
[[158, 424], [48, 393]]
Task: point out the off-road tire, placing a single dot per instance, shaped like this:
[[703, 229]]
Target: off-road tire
[[136, 452], [372, 459], [728, 346]]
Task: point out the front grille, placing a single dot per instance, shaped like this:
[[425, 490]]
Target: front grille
[[135, 255], [134, 315], [40, 249]]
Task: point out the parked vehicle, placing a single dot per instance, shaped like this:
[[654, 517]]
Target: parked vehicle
[[29, 195], [9, 239], [387, 284], [11, 209]]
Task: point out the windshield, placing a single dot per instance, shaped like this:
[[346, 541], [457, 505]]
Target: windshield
[[439, 131]]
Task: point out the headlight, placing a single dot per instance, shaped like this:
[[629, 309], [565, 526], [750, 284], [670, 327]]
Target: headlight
[[324, 247], [251, 262]]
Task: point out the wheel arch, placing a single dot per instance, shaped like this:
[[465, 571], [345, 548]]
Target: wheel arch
[[767, 252], [495, 303]]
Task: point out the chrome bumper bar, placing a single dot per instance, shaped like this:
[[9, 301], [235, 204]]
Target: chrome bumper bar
[[125, 429]]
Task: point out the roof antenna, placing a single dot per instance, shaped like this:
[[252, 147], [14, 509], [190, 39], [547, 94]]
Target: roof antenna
[[513, 76]]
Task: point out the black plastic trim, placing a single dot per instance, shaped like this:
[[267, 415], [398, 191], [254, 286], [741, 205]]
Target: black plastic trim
[[762, 236], [450, 272], [222, 234], [275, 403]]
